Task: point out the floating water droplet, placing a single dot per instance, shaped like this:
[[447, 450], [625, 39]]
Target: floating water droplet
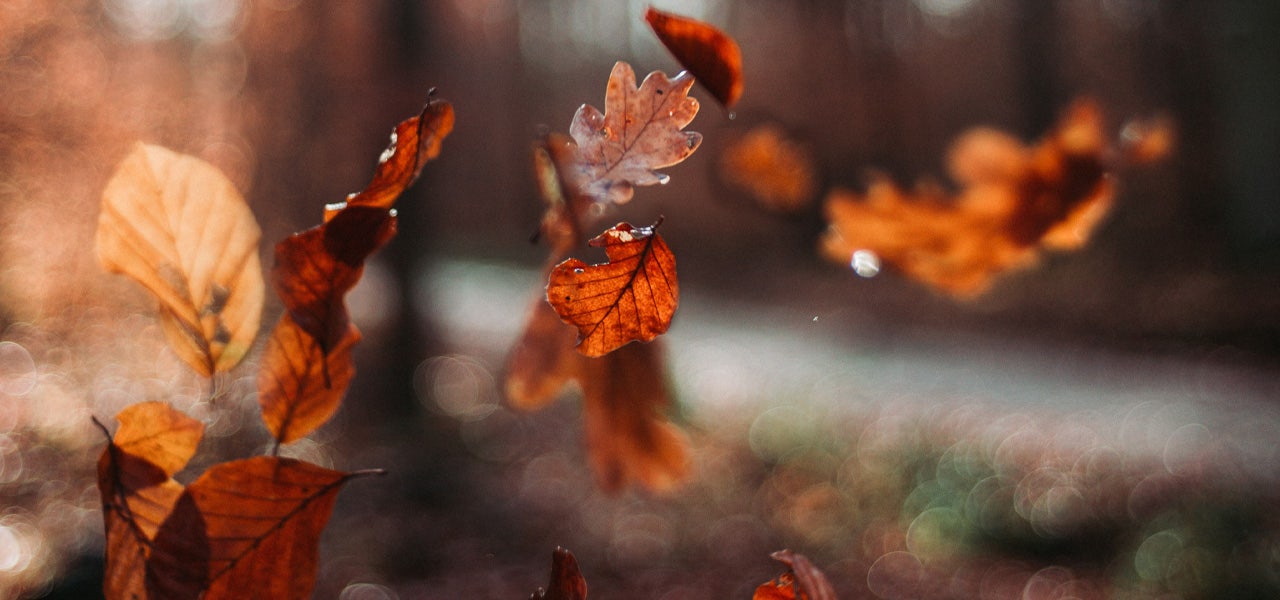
[[732, 115], [663, 178], [865, 263]]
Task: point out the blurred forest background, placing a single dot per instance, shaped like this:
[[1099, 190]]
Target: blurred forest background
[[1105, 425]]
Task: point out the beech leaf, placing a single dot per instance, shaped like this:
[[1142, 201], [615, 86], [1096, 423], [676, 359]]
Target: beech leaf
[[631, 297], [802, 581], [177, 225], [566, 582], [710, 54], [640, 130], [414, 142], [246, 529], [301, 384], [135, 471], [1015, 203], [316, 268]]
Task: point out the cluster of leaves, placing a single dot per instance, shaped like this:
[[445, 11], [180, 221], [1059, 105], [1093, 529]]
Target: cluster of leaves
[[801, 581], [632, 297], [245, 528], [1014, 202]]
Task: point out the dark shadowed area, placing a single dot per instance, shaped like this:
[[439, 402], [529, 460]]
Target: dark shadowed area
[[1101, 422]]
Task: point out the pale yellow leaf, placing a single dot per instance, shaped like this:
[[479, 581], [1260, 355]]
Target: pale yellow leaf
[[178, 226]]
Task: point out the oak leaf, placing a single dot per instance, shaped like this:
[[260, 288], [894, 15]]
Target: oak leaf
[[802, 581], [414, 142], [1015, 202], [641, 130], [566, 582], [300, 383], [631, 297], [177, 225], [246, 529], [135, 481], [709, 53]]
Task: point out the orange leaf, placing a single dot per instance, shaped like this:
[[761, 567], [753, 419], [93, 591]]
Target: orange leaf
[[177, 225], [566, 582], [1016, 202], [640, 130], [776, 171], [316, 268], [414, 142], [710, 54], [301, 384], [628, 437], [246, 529], [624, 395], [802, 581], [135, 481], [543, 360], [632, 297]]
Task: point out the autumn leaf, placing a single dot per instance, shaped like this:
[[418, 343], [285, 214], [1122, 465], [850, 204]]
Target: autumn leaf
[[802, 581], [301, 384], [316, 268], [246, 529], [135, 480], [640, 130], [1015, 203], [414, 142], [710, 54], [628, 436], [566, 582], [776, 171], [177, 225], [631, 297], [625, 393]]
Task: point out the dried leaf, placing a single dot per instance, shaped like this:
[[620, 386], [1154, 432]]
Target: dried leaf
[[631, 297], [315, 269], [802, 581], [640, 130], [543, 360], [178, 226], [246, 529], [1015, 203], [414, 142], [135, 481], [628, 436], [301, 384], [566, 582], [776, 171], [625, 394], [710, 54]]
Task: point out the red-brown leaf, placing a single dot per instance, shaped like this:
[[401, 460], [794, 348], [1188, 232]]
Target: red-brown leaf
[[316, 268], [625, 396], [246, 529], [640, 130], [135, 471], [631, 297], [628, 436], [802, 581], [301, 384], [566, 582], [414, 142], [710, 54]]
